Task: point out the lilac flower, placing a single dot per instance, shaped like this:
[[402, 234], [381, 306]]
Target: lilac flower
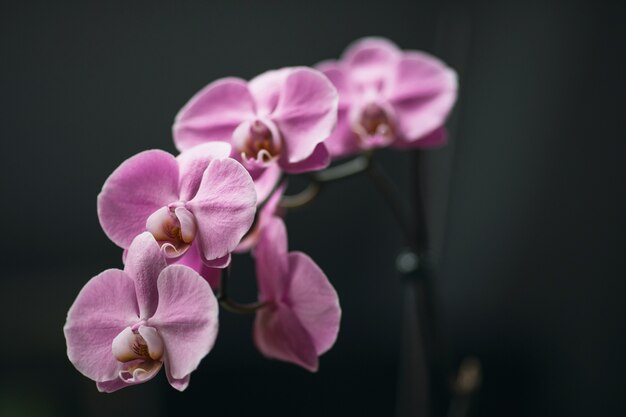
[[300, 320], [277, 121], [124, 325], [388, 97], [200, 203]]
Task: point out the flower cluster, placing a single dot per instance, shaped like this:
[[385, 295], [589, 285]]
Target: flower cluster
[[179, 218]]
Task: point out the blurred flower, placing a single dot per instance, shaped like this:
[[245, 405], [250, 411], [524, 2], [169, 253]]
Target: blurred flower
[[277, 121], [124, 325], [301, 315], [388, 97], [199, 204]]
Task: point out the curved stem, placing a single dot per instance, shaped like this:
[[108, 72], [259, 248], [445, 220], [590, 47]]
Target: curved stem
[[392, 196], [235, 307], [302, 198], [346, 170], [230, 305], [279, 183]]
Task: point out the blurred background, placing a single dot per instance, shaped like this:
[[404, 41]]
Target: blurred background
[[525, 206]]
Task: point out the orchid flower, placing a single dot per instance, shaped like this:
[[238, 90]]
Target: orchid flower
[[125, 325], [389, 97], [276, 122], [199, 204], [300, 317]]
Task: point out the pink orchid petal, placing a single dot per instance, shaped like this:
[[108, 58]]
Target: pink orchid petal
[[435, 139], [194, 161], [186, 318], [266, 89], [272, 205], [306, 112], [265, 180], [343, 141], [336, 73], [213, 113], [222, 262], [145, 371], [272, 265], [418, 73], [179, 384], [249, 241], [112, 385], [223, 207], [193, 259], [144, 263], [423, 93], [137, 188], [213, 276], [319, 159], [279, 335], [314, 301], [368, 60], [105, 306], [269, 210]]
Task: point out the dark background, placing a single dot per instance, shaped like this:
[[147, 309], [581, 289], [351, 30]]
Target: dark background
[[525, 206]]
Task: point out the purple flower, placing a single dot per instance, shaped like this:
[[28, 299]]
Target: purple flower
[[277, 121], [124, 325], [388, 97], [300, 320], [200, 203]]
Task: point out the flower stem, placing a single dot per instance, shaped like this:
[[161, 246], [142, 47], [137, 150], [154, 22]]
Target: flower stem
[[237, 308], [303, 198], [230, 305], [318, 179], [347, 169], [393, 198]]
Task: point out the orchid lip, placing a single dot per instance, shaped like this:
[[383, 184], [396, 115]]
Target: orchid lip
[[144, 343], [259, 143], [174, 227], [374, 125], [263, 160], [140, 372], [141, 349]]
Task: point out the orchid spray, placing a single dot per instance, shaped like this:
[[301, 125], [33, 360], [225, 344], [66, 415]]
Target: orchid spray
[[179, 218]]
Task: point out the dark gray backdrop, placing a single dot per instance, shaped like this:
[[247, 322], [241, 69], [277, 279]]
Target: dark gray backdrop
[[526, 205]]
